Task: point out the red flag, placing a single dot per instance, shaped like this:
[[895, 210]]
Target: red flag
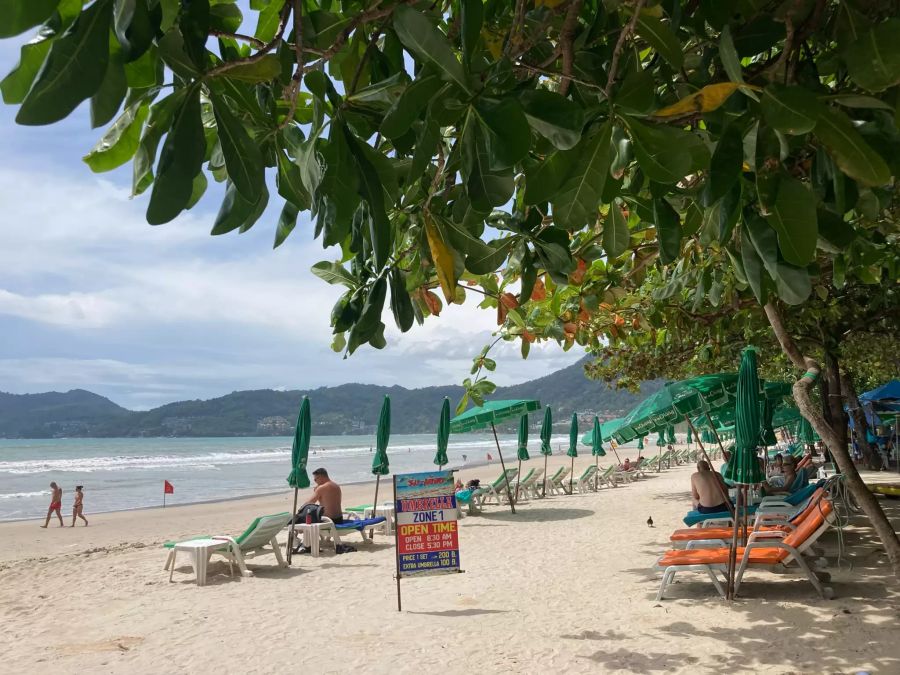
[[168, 488]]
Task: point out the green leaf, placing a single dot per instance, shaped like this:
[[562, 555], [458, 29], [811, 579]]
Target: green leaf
[[429, 45], [575, 203], [794, 219], [105, 103], [180, 160], [554, 117], [636, 92], [660, 151], [731, 62], [668, 231], [486, 187], [409, 106], [286, 223], [472, 15], [372, 190], [874, 59], [506, 130], [489, 257], [401, 305], [758, 35], [120, 141], [753, 267], [159, 122], [267, 68], [290, 183], [850, 152], [20, 15], [793, 110], [173, 51], [616, 236], [370, 317], [237, 213], [226, 17], [725, 166], [792, 283], [73, 71], [243, 158], [542, 179], [135, 26], [267, 23], [339, 186], [661, 38]]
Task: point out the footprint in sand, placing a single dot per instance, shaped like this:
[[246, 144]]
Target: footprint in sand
[[124, 643]]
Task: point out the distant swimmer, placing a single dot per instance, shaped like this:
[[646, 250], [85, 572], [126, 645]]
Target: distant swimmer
[[55, 505], [465, 459], [78, 506]]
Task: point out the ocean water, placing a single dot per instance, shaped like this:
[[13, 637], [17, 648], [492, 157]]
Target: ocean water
[[128, 473]]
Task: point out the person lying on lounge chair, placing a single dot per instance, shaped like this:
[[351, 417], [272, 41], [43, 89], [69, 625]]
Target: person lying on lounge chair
[[776, 468], [706, 489], [626, 465], [782, 483]]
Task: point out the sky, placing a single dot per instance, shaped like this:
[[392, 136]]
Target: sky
[[93, 297]]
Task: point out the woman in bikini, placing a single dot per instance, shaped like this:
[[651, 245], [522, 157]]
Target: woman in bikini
[[78, 506], [55, 505]]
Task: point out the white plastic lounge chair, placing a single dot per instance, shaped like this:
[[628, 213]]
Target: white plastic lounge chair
[[529, 486], [585, 481], [499, 489], [557, 483]]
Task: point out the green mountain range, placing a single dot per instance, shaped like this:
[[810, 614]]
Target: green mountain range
[[344, 409]]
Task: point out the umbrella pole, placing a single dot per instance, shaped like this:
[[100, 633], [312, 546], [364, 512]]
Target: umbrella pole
[[709, 461], [518, 479], [375, 502], [571, 475], [290, 542], [732, 551], [512, 506], [597, 472], [615, 453], [716, 434]]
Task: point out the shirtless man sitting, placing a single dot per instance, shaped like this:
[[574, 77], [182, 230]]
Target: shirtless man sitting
[[707, 489], [328, 495]]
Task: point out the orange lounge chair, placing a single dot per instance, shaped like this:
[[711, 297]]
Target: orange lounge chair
[[685, 536], [764, 549]]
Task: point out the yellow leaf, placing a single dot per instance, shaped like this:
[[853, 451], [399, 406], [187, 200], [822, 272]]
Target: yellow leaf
[[706, 100], [493, 41], [442, 256]]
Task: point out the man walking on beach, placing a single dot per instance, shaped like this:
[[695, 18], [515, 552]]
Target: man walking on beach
[[706, 489], [55, 505], [328, 495]]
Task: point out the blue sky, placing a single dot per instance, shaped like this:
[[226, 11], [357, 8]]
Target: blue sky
[[92, 297]]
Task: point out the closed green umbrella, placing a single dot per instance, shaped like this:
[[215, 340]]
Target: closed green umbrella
[[522, 451], [767, 435], [380, 465], [670, 434], [546, 450], [661, 439], [805, 433], [298, 478], [573, 447], [743, 466], [597, 445], [641, 443], [489, 414], [690, 438], [443, 434]]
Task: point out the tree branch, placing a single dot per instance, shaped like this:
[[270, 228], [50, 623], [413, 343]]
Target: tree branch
[[620, 43], [566, 37], [258, 56], [297, 77], [259, 44]]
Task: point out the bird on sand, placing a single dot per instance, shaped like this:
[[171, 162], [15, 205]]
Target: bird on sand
[[650, 521]]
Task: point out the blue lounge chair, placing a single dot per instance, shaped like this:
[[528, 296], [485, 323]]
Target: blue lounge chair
[[795, 498]]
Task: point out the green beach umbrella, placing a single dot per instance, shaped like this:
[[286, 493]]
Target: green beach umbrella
[[546, 450], [690, 438], [522, 450], [641, 443], [380, 465], [661, 439], [298, 478], [805, 432], [743, 467], [573, 447], [488, 415], [443, 434], [670, 434], [597, 439], [767, 434]]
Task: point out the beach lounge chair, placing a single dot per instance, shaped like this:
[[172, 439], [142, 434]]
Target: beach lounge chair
[[684, 537], [585, 481], [764, 549], [529, 486], [556, 484], [607, 477], [258, 539], [327, 530], [724, 517], [499, 489]]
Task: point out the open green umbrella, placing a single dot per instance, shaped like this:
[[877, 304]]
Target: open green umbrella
[[743, 466], [522, 451], [298, 478], [573, 447], [443, 434], [805, 432], [489, 414], [380, 465], [546, 450]]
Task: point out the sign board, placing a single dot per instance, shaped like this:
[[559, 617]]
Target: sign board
[[427, 536]]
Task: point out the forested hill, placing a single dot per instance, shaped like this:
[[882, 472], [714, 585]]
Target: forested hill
[[344, 409]]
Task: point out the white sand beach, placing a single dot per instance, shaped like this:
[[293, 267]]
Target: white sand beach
[[565, 585]]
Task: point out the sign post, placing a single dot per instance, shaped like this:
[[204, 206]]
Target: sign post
[[426, 535]]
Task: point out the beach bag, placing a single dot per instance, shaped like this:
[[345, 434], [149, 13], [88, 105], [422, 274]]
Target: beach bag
[[315, 511]]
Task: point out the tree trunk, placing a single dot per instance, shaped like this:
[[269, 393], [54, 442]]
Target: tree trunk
[[866, 500], [823, 395], [859, 418], [835, 402]]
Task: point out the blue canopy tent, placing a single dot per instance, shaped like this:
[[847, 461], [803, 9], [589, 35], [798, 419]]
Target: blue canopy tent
[[884, 402]]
